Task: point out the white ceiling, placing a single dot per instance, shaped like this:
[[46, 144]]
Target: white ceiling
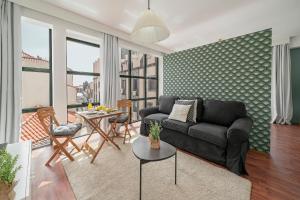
[[195, 22]]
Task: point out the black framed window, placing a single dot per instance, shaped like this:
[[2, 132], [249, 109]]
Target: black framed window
[[83, 75], [151, 85], [139, 80], [36, 78]]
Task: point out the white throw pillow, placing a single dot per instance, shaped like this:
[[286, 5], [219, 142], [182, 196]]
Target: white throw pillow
[[180, 112], [195, 107]]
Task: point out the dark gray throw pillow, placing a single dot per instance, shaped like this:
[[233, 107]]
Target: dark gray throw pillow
[[166, 103], [223, 112], [190, 116]]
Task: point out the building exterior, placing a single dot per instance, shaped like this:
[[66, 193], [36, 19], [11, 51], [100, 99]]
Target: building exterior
[[138, 84], [137, 69], [35, 86], [96, 81]]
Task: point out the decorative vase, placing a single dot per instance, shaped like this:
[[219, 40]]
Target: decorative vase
[[154, 143], [7, 191]]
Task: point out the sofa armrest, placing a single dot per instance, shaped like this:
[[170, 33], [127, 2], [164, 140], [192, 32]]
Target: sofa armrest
[[148, 111], [239, 131]]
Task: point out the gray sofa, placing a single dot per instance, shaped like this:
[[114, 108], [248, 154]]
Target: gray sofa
[[221, 133]]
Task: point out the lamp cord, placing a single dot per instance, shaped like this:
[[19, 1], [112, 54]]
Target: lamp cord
[[148, 4]]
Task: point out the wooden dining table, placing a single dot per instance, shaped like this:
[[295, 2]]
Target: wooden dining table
[[94, 119]]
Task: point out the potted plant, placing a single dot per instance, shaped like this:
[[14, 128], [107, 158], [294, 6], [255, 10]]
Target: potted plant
[[8, 170], [154, 135]]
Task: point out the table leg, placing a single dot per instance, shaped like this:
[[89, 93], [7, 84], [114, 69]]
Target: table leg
[[87, 139], [176, 168], [104, 135], [96, 127], [97, 151], [140, 179]]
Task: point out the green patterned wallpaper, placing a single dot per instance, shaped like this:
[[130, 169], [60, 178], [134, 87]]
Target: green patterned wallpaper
[[234, 69]]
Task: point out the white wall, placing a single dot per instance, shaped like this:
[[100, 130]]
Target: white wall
[[35, 89], [59, 72]]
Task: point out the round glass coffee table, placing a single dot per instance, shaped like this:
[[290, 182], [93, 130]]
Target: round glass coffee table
[[142, 150]]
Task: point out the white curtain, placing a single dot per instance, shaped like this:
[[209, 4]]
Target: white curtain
[[282, 107], [10, 72], [110, 71]]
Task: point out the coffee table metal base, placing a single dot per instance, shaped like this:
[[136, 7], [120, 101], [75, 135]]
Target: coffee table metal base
[[146, 161]]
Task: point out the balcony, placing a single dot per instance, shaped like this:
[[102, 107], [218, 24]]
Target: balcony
[[31, 129]]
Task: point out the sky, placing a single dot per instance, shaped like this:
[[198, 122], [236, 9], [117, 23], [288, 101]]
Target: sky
[[35, 41]]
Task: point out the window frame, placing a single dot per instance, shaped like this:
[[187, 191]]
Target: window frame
[[42, 70], [81, 73], [129, 77], [47, 71]]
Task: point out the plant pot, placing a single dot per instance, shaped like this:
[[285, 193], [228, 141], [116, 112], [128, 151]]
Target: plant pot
[[7, 191], [154, 143]]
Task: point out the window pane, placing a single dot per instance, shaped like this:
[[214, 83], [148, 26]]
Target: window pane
[[137, 88], [151, 87], [137, 60], [151, 102], [82, 57], [83, 89], [124, 62], [35, 85], [74, 118], [151, 66], [136, 106], [35, 45], [35, 89], [137, 85], [124, 88]]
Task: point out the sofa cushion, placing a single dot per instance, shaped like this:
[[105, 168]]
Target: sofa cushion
[[66, 129], [199, 106], [175, 125], [166, 103], [118, 119], [157, 117], [222, 112], [199, 109], [191, 117], [180, 112], [211, 133]]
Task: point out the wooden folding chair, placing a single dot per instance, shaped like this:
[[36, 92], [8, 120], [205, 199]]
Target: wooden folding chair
[[122, 119], [56, 131]]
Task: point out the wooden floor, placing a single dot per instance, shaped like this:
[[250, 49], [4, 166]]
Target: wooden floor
[[273, 176], [277, 176]]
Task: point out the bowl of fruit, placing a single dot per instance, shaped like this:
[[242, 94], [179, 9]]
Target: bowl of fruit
[[100, 109], [109, 110]]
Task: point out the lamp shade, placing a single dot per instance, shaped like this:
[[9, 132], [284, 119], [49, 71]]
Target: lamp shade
[[149, 28]]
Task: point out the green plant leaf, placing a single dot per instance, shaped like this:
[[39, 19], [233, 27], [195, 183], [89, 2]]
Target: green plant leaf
[[154, 130], [8, 168]]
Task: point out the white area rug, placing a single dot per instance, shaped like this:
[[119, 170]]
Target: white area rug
[[115, 176]]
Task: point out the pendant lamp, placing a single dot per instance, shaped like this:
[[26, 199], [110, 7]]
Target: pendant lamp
[[149, 28]]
